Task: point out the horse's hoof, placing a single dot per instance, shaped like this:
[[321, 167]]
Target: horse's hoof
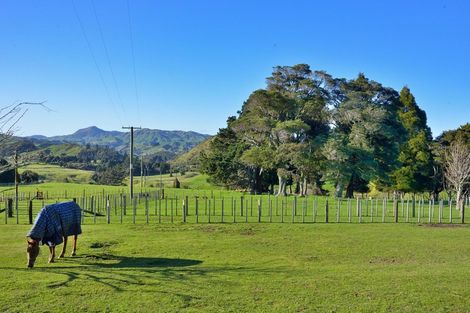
[[61, 256], [51, 261], [73, 254]]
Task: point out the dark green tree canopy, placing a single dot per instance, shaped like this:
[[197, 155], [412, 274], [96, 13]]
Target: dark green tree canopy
[[307, 126]]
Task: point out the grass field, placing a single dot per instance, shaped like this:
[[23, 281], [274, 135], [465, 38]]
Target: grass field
[[55, 173], [243, 268]]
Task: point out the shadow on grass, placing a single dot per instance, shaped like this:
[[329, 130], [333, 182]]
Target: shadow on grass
[[113, 261], [123, 273]]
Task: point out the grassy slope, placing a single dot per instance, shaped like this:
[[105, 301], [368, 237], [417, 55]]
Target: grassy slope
[[191, 180], [55, 173], [191, 158], [243, 268]]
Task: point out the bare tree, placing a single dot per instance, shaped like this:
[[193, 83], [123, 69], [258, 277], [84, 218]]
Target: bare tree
[[457, 172], [10, 115]]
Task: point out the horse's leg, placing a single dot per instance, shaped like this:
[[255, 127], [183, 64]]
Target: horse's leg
[[62, 253], [51, 254], [74, 245]]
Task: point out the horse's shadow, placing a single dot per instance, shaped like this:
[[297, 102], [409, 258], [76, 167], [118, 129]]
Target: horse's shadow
[[114, 261], [101, 268]]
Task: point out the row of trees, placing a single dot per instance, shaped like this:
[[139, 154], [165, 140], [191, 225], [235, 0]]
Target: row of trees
[[307, 127]]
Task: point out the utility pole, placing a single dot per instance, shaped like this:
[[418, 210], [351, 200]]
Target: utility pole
[[131, 156]]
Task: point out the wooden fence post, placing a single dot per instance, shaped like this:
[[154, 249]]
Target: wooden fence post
[[197, 209], [259, 210], [209, 216], [10, 207], [384, 208], [93, 209], [349, 210], [30, 212], [359, 209], [450, 211], [326, 211], [108, 210], [234, 206], [294, 208], [304, 208], [395, 209], [134, 209], [372, 210], [246, 210], [171, 208], [185, 208], [222, 208], [441, 206], [147, 208], [429, 212], [270, 210], [124, 204]]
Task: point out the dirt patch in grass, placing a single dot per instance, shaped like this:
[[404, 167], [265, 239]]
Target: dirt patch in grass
[[247, 232], [102, 244], [99, 257], [384, 260], [442, 225]]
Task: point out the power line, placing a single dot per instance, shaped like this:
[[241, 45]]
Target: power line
[[95, 62], [133, 58], [107, 57]]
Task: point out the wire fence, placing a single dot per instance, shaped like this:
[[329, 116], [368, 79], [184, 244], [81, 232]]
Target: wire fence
[[156, 207]]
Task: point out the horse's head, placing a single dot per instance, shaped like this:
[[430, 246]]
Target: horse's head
[[32, 251]]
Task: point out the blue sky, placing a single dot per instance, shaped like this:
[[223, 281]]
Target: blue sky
[[197, 61]]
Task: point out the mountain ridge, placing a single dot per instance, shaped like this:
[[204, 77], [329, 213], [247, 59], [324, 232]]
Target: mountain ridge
[[146, 140]]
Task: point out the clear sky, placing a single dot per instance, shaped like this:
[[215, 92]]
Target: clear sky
[[190, 64]]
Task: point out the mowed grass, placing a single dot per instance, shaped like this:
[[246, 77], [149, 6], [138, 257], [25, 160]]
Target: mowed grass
[[243, 268]]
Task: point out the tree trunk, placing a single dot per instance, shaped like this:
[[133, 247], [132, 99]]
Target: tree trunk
[[458, 200], [304, 184], [297, 187], [462, 213], [282, 186], [350, 188], [256, 187], [339, 190]]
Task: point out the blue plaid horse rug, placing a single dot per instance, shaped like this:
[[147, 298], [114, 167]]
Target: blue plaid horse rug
[[52, 226]]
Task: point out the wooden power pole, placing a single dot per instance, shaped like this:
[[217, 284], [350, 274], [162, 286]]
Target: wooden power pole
[[131, 156]]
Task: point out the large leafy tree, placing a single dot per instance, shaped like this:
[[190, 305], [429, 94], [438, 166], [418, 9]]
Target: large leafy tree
[[364, 142], [299, 138], [416, 159], [222, 160]]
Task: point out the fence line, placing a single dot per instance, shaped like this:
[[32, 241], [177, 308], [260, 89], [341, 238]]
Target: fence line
[[120, 208]]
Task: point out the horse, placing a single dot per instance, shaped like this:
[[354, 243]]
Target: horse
[[52, 226]]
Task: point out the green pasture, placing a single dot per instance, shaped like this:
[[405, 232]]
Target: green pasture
[[55, 173], [190, 180], [243, 268]]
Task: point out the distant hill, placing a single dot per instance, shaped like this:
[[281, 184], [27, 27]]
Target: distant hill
[[190, 159], [148, 141]]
